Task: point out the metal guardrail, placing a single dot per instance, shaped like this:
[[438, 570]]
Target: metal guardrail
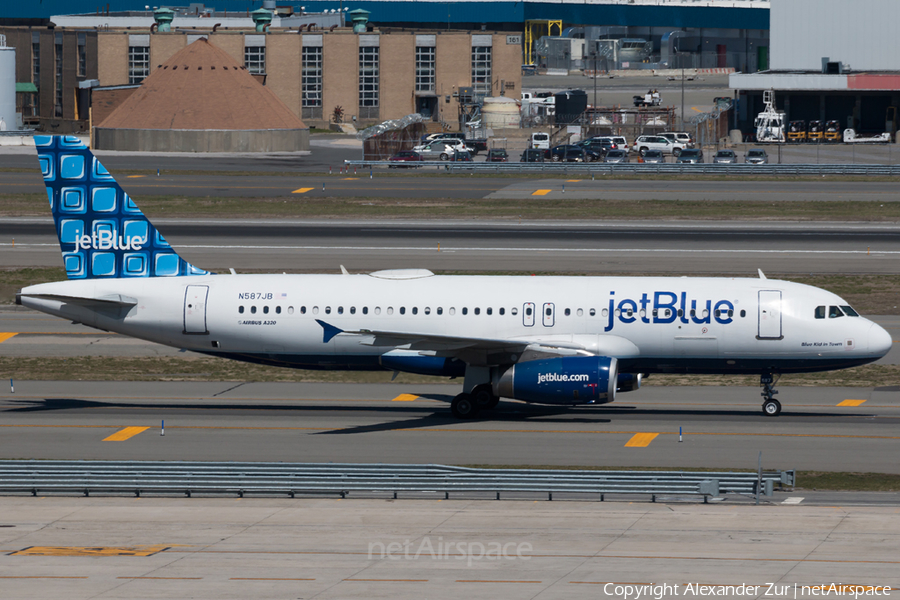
[[189, 478], [598, 168]]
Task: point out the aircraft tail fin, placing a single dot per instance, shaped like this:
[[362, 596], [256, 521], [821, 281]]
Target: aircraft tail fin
[[102, 232]]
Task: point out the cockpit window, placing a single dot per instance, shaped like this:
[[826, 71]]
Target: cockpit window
[[849, 311], [820, 312], [834, 312]]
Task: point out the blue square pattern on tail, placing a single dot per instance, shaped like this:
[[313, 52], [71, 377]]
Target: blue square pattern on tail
[[102, 232]]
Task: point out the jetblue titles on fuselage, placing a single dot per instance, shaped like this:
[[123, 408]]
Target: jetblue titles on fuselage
[[666, 307]]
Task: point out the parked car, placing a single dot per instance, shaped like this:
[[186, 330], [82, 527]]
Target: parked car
[[657, 142], [439, 150], [406, 156], [568, 153], [725, 157], [596, 149], [680, 137], [618, 141], [756, 156], [461, 156], [654, 156], [616, 156], [497, 155], [475, 145], [690, 156], [535, 155]]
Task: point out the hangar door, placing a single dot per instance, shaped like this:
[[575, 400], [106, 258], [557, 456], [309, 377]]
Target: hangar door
[[770, 315], [195, 309]]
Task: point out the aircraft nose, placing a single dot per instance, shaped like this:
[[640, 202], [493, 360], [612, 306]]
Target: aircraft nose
[[880, 341]]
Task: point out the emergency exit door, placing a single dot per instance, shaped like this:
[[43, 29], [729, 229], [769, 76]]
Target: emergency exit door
[[770, 315], [195, 309]]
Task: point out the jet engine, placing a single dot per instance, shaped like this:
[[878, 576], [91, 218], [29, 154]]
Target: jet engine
[[566, 380]]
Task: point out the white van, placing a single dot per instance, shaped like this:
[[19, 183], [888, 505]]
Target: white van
[[540, 141]]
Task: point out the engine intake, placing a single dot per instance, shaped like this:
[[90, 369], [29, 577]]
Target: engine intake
[[566, 380]]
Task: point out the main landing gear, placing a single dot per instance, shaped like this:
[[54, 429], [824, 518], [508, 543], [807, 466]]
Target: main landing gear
[[467, 406], [771, 407]]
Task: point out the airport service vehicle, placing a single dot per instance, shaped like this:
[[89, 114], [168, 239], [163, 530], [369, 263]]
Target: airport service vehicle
[[654, 157], [797, 131], [562, 341], [770, 122], [756, 156], [851, 137], [407, 156], [440, 149], [724, 157], [540, 140], [690, 156], [657, 142]]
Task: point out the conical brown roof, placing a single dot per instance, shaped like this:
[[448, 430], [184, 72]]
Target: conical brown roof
[[202, 87]]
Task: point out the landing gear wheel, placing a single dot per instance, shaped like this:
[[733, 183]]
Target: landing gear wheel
[[771, 408], [464, 407], [484, 397]]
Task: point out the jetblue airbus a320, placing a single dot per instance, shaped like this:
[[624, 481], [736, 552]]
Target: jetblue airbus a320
[[546, 340]]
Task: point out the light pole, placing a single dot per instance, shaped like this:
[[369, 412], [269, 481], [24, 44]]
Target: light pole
[[594, 103]]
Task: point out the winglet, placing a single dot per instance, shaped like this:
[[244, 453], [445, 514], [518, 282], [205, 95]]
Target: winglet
[[329, 331], [761, 274]]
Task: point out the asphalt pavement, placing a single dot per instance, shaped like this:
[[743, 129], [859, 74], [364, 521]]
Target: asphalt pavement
[[667, 247]]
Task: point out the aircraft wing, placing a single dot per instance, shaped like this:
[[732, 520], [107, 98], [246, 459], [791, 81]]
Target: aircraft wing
[[471, 349]]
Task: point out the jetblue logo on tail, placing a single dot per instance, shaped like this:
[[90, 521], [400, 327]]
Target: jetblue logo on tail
[[102, 232]]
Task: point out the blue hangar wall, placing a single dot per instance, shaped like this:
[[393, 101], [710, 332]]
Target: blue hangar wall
[[436, 13]]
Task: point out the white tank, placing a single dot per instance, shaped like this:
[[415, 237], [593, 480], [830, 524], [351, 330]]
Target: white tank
[[500, 112], [7, 86]]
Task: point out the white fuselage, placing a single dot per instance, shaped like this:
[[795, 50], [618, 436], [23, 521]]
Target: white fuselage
[[737, 325]]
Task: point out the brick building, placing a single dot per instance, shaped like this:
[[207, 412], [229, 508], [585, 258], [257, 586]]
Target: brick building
[[372, 76]]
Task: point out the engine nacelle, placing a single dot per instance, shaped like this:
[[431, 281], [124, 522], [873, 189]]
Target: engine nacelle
[[566, 380], [628, 382]]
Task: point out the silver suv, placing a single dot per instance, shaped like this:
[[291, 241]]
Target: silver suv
[[657, 142], [680, 137]]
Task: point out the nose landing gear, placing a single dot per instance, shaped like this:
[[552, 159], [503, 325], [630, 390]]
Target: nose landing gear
[[770, 407]]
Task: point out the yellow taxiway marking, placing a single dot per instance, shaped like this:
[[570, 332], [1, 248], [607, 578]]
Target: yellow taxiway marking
[[572, 180], [90, 551], [124, 434], [302, 190], [6, 336], [494, 581], [271, 579], [405, 398], [135, 176], [641, 440], [541, 192], [350, 179], [850, 403], [410, 580]]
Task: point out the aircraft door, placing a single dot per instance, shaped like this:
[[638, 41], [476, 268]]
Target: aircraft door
[[528, 314], [770, 315], [549, 314], [195, 309]]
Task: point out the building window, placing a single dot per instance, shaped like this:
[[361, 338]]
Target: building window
[[312, 82], [255, 59], [82, 54], [138, 63], [36, 59], [481, 70], [368, 82], [58, 56], [425, 59]]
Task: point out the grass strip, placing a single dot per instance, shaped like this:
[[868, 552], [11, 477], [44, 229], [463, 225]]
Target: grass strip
[[527, 208]]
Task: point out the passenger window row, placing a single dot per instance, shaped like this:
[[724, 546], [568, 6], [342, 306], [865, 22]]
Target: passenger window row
[[528, 311]]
